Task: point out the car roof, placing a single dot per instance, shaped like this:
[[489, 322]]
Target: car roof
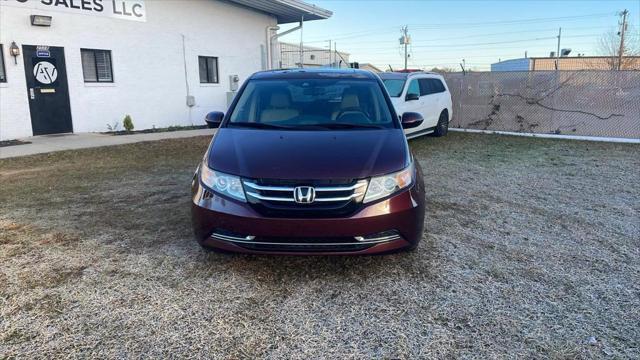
[[403, 75], [307, 73]]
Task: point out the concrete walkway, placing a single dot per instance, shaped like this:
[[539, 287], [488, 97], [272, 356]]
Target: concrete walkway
[[50, 143]]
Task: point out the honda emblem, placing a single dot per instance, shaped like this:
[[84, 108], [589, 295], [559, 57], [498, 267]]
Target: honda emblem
[[304, 194]]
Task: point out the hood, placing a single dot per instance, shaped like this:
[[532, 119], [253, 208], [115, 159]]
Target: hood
[[308, 155]]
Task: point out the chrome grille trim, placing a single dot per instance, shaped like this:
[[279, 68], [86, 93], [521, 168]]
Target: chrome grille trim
[[269, 198], [372, 241], [318, 189], [379, 238], [232, 238], [344, 198], [268, 188], [342, 188], [273, 198], [253, 190]]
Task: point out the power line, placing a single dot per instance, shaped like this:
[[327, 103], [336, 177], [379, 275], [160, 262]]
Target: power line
[[520, 21], [517, 49], [342, 36], [478, 45], [474, 36]]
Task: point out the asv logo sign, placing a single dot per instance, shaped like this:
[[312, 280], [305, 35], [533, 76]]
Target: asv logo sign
[[45, 72]]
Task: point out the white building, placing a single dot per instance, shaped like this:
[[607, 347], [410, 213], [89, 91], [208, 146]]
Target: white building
[[84, 64], [312, 56]]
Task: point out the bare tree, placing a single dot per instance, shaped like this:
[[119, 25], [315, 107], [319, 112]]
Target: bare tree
[[609, 46], [444, 69]]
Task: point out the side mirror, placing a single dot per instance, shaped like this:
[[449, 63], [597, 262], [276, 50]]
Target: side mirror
[[411, 120], [214, 119], [412, 97]]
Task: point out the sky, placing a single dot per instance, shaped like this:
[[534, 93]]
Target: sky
[[480, 32]]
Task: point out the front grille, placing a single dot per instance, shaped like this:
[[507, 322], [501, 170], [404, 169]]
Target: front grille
[[306, 244], [333, 198], [306, 248]]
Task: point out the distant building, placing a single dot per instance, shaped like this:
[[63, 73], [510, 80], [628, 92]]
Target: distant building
[[566, 63], [523, 64], [313, 56], [370, 67]]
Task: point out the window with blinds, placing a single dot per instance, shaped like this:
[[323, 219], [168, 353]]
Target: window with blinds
[[96, 65], [208, 69], [3, 74]]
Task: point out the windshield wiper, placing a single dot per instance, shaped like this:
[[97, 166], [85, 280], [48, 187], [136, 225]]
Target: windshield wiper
[[323, 126], [255, 125], [334, 125]]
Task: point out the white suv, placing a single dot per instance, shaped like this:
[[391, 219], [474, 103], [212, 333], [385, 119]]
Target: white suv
[[423, 92]]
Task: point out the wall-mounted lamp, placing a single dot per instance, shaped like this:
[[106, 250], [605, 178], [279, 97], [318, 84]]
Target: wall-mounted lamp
[[41, 20], [14, 50]]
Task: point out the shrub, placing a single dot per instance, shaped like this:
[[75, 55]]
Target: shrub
[[113, 127], [127, 123]]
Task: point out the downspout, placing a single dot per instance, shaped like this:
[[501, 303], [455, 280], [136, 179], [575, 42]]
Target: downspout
[[301, 43], [271, 38], [268, 31], [186, 77]]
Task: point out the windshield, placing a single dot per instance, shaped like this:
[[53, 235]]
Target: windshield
[[312, 104], [394, 86]]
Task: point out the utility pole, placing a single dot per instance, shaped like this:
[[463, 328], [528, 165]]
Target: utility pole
[[405, 40], [330, 62], [622, 30], [558, 53]]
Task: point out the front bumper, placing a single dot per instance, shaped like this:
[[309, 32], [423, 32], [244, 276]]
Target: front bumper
[[215, 217]]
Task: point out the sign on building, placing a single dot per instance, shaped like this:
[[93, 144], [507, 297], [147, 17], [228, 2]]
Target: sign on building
[[120, 9]]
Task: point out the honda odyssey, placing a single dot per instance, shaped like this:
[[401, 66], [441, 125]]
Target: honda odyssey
[[309, 162]]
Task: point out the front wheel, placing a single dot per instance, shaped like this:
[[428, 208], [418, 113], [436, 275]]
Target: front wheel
[[443, 125]]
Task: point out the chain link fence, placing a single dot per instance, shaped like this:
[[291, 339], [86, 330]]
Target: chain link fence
[[588, 103]]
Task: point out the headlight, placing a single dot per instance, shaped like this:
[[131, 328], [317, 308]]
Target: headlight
[[386, 185], [222, 183]]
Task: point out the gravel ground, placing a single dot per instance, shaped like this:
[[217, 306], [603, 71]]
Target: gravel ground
[[531, 250]]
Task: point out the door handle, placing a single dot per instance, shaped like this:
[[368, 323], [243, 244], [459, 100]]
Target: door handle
[[32, 94]]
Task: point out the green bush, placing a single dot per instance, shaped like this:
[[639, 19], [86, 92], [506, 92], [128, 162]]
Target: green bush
[[127, 123]]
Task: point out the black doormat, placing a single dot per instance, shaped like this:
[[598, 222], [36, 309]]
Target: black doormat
[[5, 143]]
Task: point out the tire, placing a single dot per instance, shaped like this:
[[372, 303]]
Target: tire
[[443, 125]]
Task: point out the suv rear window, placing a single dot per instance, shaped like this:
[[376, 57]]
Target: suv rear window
[[431, 86], [313, 102]]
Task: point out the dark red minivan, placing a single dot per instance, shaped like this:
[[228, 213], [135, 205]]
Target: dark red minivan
[[309, 162]]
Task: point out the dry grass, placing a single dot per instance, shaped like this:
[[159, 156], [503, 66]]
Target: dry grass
[[531, 248]]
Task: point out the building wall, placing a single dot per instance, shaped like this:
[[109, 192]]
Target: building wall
[[148, 62], [523, 64], [585, 63]]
